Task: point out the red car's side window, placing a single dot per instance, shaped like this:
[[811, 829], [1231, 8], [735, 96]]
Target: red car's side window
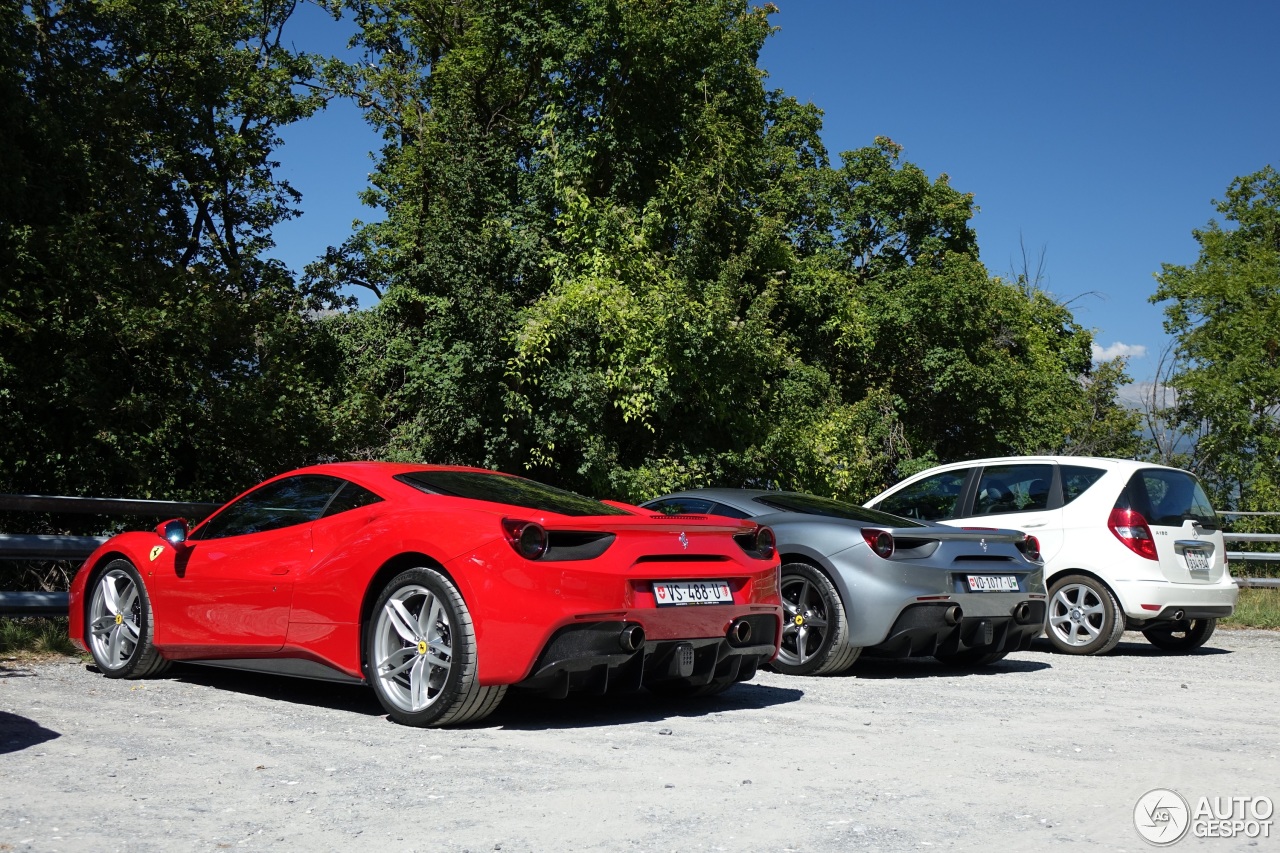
[[283, 503]]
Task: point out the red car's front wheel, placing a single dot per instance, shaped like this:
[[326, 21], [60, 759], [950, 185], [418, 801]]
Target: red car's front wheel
[[119, 625]]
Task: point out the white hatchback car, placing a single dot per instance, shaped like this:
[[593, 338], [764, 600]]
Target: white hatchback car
[[1127, 545]]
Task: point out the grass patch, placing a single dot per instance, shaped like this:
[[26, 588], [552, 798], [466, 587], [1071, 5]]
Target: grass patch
[[1256, 608], [36, 635]]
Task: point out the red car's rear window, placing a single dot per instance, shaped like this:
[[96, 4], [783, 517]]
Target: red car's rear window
[[506, 489]]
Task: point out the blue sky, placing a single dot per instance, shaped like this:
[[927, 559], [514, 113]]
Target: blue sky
[[1096, 133]]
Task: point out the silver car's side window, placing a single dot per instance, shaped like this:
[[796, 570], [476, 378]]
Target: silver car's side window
[[1013, 488], [931, 499]]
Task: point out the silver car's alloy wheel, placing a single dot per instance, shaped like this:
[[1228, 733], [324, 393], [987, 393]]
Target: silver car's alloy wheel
[[1084, 617], [804, 624], [413, 648], [815, 626], [115, 619]]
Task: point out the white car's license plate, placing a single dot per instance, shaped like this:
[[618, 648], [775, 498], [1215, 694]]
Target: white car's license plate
[[684, 593], [993, 583], [1197, 561]]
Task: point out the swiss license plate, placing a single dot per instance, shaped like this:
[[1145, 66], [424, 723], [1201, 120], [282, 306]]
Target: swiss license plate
[[1197, 561], [993, 583], [685, 593]]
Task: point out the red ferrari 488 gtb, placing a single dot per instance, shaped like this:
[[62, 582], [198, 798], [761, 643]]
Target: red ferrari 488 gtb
[[438, 586]]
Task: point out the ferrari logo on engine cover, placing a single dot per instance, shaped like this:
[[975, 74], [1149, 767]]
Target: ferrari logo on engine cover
[[684, 542]]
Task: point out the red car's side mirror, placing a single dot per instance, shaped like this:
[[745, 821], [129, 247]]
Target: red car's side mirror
[[173, 531]]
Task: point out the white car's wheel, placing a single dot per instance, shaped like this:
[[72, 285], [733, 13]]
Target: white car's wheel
[[1084, 616], [1185, 636]]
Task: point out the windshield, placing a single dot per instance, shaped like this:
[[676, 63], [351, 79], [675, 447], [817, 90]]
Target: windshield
[[506, 489], [1168, 498], [814, 505]]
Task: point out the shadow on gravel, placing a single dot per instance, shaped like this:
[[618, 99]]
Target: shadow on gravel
[[519, 710], [1135, 649], [282, 688], [929, 668], [19, 733], [523, 711]]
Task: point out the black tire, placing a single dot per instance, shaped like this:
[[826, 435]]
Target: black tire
[[971, 658], [815, 628], [1184, 636], [424, 669], [1084, 617], [119, 626]]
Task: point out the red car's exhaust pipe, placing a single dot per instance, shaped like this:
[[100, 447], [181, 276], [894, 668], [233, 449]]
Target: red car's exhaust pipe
[[739, 632], [632, 638]]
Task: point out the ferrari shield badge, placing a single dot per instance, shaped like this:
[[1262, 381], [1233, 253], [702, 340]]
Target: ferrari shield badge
[[156, 552]]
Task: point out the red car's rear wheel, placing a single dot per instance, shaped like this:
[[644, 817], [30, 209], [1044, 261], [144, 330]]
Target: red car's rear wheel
[[421, 650]]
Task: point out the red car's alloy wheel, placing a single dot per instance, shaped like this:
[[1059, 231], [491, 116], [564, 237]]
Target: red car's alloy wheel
[[422, 653], [119, 624]]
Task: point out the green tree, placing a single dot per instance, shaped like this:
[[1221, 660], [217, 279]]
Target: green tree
[[613, 259], [148, 344], [1224, 312]]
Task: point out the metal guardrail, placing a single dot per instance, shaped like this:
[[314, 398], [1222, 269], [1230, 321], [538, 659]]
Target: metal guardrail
[[1254, 556], [42, 547], [23, 546]]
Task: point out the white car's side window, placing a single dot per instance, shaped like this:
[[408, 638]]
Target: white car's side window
[[1013, 488], [931, 499]]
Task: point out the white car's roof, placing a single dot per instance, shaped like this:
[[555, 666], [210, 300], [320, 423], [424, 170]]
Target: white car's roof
[[1117, 464]]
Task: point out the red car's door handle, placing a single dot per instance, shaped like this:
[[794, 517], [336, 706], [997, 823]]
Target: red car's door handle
[[279, 570]]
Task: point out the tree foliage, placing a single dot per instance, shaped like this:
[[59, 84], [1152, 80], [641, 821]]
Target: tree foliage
[[606, 254], [1224, 311], [612, 258], [148, 346]]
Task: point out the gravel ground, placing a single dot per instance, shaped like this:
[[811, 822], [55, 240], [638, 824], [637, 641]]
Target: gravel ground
[[1039, 751]]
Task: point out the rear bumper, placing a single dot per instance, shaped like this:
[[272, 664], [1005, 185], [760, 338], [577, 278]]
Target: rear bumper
[[1207, 599], [930, 629], [592, 658]]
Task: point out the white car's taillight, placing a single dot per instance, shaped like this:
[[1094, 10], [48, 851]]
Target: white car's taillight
[[1131, 529]]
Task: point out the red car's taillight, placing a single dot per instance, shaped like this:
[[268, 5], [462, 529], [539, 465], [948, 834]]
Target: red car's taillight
[[1131, 529], [881, 541], [766, 543], [528, 538]]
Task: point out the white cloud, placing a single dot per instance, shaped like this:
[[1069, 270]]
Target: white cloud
[[1118, 349]]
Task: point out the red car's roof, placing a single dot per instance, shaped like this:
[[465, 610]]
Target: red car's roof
[[384, 469]]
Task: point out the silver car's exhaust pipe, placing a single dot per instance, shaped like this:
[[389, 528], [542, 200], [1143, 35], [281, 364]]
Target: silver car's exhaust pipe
[[739, 632], [1178, 615], [1022, 613], [632, 638], [953, 614]]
